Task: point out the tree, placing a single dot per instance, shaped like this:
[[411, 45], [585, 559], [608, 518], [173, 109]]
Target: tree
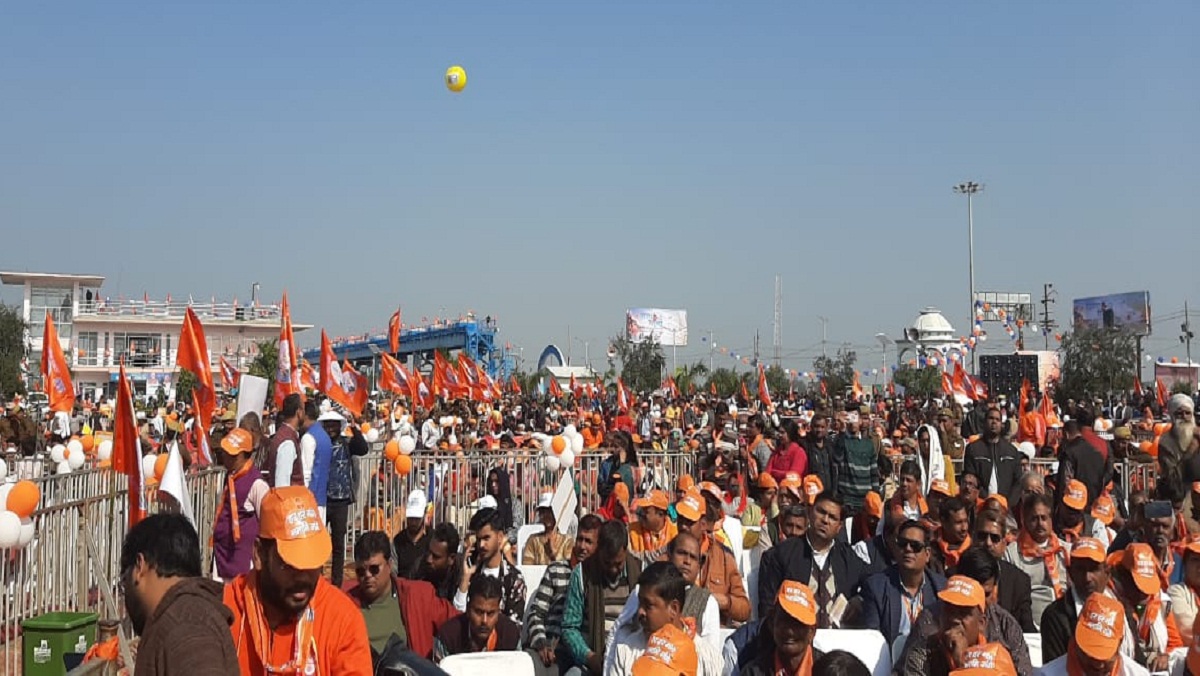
[[836, 372], [1096, 361], [1183, 387], [266, 364], [777, 382], [641, 363], [725, 379], [185, 382], [919, 382], [687, 376], [12, 351]]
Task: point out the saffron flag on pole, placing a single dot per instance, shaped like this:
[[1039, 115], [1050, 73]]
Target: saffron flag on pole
[[622, 396], [193, 356], [555, 390], [516, 387], [357, 387], [394, 332], [55, 375], [856, 388], [764, 394], [127, 448], [200, 429], [1160, 391], [229, 375], [393, 377], [287, 373], [331, 382], [745, 393], [1137, 388], [308, 376]]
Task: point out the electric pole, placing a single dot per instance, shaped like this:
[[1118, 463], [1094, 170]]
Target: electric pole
[[1048, 323], [824, 326], [778, 342], [1186, 334], [755, 363]]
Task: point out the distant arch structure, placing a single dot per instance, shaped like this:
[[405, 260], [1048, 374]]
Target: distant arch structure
[[551, 356]]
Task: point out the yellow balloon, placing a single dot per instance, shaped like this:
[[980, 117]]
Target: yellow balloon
[[456, 78]]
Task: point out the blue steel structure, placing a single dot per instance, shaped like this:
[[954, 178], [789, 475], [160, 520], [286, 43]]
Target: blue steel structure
[[477, 339]]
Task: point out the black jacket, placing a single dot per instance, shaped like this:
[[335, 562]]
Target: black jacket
[[1080, 459], [764, 664], [1014, 593], [793, 560], [820, 462], [982, 455]]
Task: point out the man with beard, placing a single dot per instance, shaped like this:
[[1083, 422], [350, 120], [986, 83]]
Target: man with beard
[[820, 452], [483, 628], [1090, 574], [995, 460], [440, 566], [1178, 460], [412, 542], [286, 617], [178, 614]]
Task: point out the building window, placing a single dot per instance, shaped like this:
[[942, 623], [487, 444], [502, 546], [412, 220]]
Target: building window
[[87, 349], [56, 301], [139, 350]]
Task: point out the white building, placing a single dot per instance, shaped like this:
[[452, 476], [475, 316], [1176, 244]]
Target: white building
[[97, 331], [931, 335]]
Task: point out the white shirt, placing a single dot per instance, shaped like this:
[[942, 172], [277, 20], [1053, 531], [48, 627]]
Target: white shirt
[[285, 455], [460, 597], [430, 434], [1059, 668], [710, 622], [631, 643], [819, 558]]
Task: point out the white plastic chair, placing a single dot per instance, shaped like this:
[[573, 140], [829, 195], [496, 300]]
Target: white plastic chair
[[523, 535], [507, 662], [1034, 642], [533, 577], [867, 645]]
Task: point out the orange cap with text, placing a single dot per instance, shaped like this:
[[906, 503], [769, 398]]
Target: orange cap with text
[[1103, 510], [1089, 548], [713, 490], [813, 487], [989, 659], [940, 486], [793, 484], [963, 592], [1142, 564], [797, 600], [657, 499], [692, 506], [238, 441], [669, 652], [1076, 495], [1101, 627], [289, 516], [765, 481]]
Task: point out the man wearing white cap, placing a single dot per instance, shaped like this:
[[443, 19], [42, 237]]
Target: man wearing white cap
[[1178, 461], [550, 545], [412, 542]]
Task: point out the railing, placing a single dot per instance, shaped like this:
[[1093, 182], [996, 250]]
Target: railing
[[176, 310]]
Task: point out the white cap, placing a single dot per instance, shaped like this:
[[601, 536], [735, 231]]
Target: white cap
[[331, 415], [415, 509], [545, 501], [1027, 449], [488, 501]]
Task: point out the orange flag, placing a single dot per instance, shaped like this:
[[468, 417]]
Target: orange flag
[[357, 387], [200, 429], [856, 387], [575, 387], [421, 393], [516, 387], [332, 379], [745, 393], [308, 376], [555, 390], [1137, 388], [712, 388], [55, 375], [193, 356], [230, 377], [287, 374], [1024, 397], [1160, 391], [393, 376], [127, 448], [394, 332], [622, 396], [764, 394]]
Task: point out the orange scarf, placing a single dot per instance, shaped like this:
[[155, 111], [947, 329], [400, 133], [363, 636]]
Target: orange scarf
[[263, 637], [951, 557], [1074, 668], [1073, 534], [1030, 550], [805, 665], [652, 542], [232, 493], [1149, 616]]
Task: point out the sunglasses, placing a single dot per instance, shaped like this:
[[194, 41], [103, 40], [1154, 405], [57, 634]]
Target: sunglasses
[[914, 546], [373, 569], [989, 537]]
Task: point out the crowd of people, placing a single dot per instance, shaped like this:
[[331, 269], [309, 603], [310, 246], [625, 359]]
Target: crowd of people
[[953, 532]]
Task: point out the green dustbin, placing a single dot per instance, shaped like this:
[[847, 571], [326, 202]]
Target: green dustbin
[[48, 637]]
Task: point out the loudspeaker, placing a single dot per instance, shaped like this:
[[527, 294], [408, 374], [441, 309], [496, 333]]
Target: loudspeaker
[[1003, 373]]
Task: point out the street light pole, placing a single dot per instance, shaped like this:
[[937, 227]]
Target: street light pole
[[970, 188]]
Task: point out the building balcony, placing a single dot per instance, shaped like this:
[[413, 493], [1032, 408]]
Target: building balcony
[[141, 310]]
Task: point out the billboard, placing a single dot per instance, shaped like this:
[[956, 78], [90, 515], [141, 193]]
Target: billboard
[[1124, 311], [665, 327]]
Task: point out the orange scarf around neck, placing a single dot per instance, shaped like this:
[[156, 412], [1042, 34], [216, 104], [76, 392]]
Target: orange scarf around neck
[[951, 557], [1030, 550]]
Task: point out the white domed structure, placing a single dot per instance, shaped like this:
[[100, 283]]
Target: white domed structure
[[931, 334]]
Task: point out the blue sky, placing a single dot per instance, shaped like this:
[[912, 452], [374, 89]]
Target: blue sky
[[605, 156]]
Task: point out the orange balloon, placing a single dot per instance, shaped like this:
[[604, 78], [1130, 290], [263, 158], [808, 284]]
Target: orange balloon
[[558, 444], [160, 466], [365, 427], [403, 464], [391, 450], [89, 442], [23, 498]]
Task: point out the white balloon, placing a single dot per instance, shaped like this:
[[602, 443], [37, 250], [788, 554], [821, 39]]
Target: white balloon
[[148, 466], [26, 532], [58, 453], [550, 462], [567, 459], [569, 430], [4, 489], [546, 444], [75, 446], [577, 444], [105, 450], [407, 445], [76, 460], [63, 467], [372, 435], [3, 470], [10, 530]]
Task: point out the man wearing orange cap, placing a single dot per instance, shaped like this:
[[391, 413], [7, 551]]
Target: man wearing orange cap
[[1138, 581], [961, 623], [653, 531], [758, 512], [616, 507], [1183, 594], [718, 572], [236, 525], [1071, 522], [1089, 574], [1095, 648], [286, 616], [661, 595], [669, 652], [784, 644]]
